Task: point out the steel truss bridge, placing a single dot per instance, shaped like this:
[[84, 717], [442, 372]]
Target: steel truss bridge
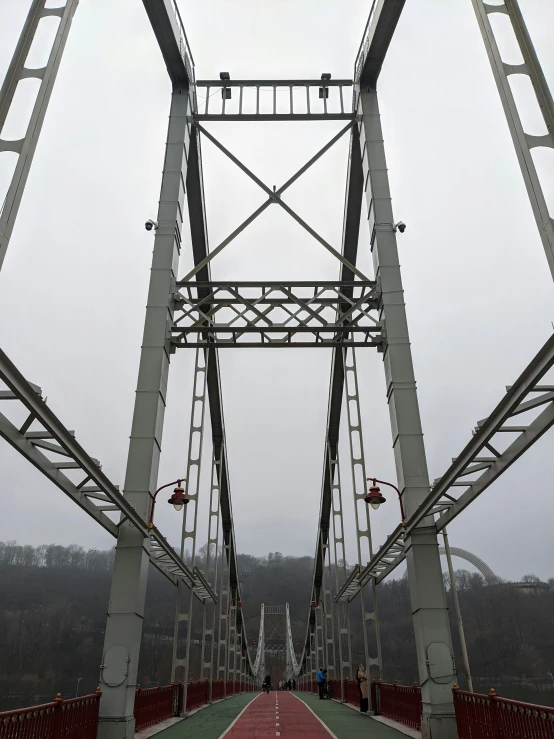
[[352, 312]]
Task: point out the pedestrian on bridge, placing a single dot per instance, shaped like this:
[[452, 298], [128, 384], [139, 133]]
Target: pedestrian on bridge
[[320, 678], [289, 684], [267, 683], [294, 683], [361, 676]]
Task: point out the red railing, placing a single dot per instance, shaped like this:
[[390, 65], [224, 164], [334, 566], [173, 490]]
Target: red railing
[[490, 717], [217, 690], [198, 694], [335, 689], [400, 703], [77, 717], [230, 688], [352, 693], [153, 705]]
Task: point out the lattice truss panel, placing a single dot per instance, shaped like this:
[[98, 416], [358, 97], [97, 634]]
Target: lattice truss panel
[[30, 426], [518, 421], [277, 314], [276, 100]]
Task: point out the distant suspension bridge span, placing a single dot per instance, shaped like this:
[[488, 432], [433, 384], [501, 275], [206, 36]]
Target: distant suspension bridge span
[[353, 312]]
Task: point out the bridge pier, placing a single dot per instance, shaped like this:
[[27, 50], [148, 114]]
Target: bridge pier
[[430, 615], [118, 673]]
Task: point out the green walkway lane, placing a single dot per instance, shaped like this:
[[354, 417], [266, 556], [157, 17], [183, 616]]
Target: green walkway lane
[[346, 723], [210, 722]]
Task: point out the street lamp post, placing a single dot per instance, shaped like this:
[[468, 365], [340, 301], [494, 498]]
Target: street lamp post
[[374, 497], [177, 500]]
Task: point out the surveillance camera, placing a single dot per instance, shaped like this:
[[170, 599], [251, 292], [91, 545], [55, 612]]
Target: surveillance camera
[[150, 224], [399, 226]]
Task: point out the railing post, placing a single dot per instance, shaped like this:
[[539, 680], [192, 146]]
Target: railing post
[[57, 716], [374, 698]]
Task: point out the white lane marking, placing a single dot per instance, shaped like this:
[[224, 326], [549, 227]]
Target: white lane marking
[[228, 729], [317, 717]]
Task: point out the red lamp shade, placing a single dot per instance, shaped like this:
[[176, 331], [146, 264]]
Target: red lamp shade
[[374, 497], [313, 604], [178, 499], [239, 604]]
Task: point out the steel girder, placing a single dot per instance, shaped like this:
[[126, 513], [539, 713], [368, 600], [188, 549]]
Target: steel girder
[[169, 30], [327, 103], [43, 432], [17, 71], [523, 142], [276, 314], [479, 464], [378, 33]]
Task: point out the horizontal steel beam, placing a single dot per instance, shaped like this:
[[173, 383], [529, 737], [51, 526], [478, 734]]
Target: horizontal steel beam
[[274, 83], [274, 117]]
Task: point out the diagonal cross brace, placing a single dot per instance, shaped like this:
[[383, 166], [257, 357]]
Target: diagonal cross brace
[[274, 197]]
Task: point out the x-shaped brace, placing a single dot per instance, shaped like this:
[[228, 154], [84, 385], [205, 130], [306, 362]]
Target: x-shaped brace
[[274, 197]]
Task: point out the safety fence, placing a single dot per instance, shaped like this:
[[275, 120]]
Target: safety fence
[[397, 702], [77, 717], [153, 705], [491, 717], [352, 693], [218, 690], [198, 694]]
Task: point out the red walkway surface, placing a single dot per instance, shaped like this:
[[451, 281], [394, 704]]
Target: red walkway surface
[[277, 714]]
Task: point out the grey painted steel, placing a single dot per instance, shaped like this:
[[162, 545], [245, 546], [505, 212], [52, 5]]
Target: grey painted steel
[[378, 33], [480, 460], [430, 614], [17, 71], [42, 433], [339, 562], [283, 95], [483, 568], [210, 570], [223, 626], [523, 142], [275, 197], [199, 223], [118, 676], [185, 599], [328, 614], [276, 314], [293, 668], [169, 30], [370, 618], [457, 610]]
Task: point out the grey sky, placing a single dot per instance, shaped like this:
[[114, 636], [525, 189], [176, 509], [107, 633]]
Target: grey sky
[[478, 290]]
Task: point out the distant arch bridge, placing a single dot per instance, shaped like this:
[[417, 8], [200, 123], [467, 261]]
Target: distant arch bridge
[[484, 569]]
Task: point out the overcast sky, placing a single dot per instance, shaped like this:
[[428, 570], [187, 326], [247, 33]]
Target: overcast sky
[[478, 290]]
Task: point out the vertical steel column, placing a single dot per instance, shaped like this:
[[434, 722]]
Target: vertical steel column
[[223, 631], [428, 600], [185, 596], [522, 141], [343, 615], [328, 614], [319, 639], [17, 71], [232, 641], [118, 676], [370, 616], [208, 624]]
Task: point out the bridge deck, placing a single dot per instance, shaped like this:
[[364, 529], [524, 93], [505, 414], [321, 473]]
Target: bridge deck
[[279, 714]]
